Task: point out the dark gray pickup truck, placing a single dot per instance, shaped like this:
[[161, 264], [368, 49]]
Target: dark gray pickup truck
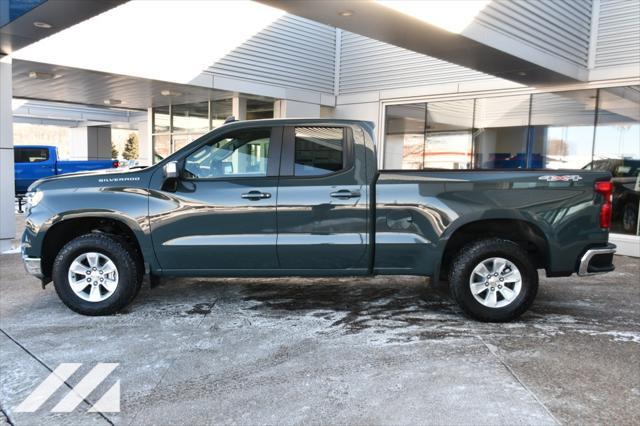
[[304, 197]]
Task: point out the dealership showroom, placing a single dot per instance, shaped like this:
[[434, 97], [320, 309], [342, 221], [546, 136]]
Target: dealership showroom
[[450, 93]]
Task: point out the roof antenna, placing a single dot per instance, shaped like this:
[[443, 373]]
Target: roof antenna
[[230, 119]]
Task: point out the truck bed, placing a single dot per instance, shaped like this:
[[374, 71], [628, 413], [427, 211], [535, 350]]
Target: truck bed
[[418, 211]]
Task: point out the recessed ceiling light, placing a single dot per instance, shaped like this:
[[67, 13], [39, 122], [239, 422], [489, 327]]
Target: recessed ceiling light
[[41, 75], [167, 92], [346, 13], [521, 73], [112, 101], [44, 25]]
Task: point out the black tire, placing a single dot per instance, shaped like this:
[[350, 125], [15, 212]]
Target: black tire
[[471, 256], [125, 259]]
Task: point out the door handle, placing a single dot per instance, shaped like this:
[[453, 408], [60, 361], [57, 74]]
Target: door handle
[[255, 195], [345, 193]]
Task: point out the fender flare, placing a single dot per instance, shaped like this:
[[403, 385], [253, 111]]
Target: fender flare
[[139, 228], [489, 215]]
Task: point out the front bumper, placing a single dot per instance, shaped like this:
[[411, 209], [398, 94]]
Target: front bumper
[[32, 265], [597, 260]]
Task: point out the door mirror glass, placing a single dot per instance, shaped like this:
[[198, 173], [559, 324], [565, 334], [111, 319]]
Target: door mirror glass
[[171, 170]]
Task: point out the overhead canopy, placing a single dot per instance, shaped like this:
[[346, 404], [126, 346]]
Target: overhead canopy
[[35, 80], [447, 31], [23, 22]]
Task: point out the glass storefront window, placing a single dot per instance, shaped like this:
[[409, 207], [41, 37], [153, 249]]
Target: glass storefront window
[[404, 136], [562, 126], [448, 135], [176, 126], [546, 130], [617, 150], [431, 135], [161, 147], [191, 118], [258, 109], [183, 139], [500, 138], [221, 109], [161, 120]]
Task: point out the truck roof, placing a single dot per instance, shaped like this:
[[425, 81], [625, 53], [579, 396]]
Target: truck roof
[[298, 121]]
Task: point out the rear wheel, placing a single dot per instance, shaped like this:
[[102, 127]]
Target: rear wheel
[[96, 274], [493, 280]]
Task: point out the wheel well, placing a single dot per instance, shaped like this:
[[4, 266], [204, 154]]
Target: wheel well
[[63, 232], [525, 234]]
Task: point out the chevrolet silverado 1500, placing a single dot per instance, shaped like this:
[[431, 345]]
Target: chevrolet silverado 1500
[[303, 197]]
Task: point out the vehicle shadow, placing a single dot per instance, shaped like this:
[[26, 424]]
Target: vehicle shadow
[[358, 306], [409, 306]]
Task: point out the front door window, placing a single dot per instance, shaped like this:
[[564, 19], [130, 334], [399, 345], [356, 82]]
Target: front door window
[[244, 154]]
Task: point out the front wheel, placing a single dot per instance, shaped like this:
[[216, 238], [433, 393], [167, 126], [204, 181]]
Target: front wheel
[[96, 274], [493, 280]]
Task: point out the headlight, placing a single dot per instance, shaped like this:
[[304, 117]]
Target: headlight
[[33, 198]]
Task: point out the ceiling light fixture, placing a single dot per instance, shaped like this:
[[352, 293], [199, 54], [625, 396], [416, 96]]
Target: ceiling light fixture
[[167, 92], [346, 13], [41, 75], [43, 25], [521, 73], [112, 101]]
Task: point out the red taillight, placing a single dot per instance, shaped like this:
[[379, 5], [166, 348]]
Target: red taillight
[[605, 188], [116, 164]]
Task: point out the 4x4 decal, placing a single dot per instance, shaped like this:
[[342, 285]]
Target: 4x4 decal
[[561, 178]]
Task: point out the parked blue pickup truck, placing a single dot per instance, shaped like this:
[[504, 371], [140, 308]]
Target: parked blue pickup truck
[[305, 197], [33, 162]]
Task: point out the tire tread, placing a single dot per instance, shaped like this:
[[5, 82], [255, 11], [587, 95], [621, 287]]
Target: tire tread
[[468, 257], [130, 275]]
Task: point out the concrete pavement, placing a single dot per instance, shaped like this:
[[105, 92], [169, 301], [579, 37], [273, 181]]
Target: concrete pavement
[[357, 351]]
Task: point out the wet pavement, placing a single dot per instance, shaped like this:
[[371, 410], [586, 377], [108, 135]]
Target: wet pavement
[[387, 350]]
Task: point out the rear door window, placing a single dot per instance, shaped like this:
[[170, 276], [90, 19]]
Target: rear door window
[[318, 150], [30, 155]]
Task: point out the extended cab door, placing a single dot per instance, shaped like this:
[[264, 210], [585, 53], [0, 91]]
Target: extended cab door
[[322, 201], [221, 213]]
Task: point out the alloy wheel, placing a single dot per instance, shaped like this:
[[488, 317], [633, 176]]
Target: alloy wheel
[[93, 277], [495, 282]]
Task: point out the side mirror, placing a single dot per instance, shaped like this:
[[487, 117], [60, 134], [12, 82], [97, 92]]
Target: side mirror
[[171, 173], [170, 170]]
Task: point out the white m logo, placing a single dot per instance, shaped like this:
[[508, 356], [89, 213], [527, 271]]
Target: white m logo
[[108, 403]]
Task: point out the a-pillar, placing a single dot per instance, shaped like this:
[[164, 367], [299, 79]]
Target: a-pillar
[[7, 196]]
